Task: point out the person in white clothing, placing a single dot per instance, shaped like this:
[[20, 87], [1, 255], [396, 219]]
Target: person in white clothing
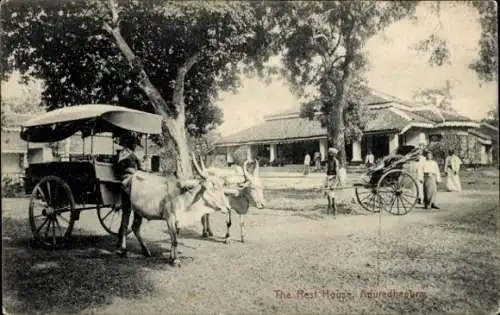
[[416, 170], [369, 159], [430, 176], [452, 168], [307, 163]]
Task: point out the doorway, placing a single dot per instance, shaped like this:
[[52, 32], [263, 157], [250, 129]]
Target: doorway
[[379, 145]]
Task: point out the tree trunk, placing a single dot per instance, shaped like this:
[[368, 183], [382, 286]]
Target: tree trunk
[[337, 130], [182, 157], [174, 122]]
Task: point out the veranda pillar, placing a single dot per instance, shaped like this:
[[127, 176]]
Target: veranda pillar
[[272, 152], [356, 151], [393, 142], [323, 143]]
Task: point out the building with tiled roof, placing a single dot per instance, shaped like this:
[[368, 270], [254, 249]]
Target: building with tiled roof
[[287, 136]]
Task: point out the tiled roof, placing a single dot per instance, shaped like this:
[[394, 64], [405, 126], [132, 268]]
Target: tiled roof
[[435, 117], [385, 119], [415, 117], [485, 129], [480, 134], [376, 97], [371, 98], [282, 129]]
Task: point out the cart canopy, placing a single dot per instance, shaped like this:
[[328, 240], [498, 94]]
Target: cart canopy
[[62, 123]]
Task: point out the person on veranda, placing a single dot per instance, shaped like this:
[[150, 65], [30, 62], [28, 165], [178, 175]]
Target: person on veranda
[[452, 168], [369, 159]]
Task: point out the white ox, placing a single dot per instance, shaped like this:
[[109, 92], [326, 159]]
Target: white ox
[[179, 202], [250, 192]]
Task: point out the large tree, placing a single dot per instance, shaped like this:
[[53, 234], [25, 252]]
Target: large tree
[[323, 44], [323, 50], [161, 56], [435, 47]]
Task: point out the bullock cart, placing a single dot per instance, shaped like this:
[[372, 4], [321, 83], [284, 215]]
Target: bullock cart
[[390, 185], [61, 190]]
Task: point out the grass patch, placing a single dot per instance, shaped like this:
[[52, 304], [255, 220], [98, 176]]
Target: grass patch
[[83, 277], [309, 200], [294, 199], [454, 260]]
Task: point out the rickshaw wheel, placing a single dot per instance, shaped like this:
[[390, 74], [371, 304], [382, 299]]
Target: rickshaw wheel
[[52, 212], [398, 191], [368, 198], [111, 219], [366, 194]]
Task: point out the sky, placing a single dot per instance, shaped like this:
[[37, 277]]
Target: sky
[[395, 69]]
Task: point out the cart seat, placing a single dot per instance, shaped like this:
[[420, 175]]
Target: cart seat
[[105, 173]]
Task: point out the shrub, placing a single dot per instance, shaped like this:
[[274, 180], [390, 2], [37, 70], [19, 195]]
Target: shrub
[[278, 162], [264, 161], [12, 187]]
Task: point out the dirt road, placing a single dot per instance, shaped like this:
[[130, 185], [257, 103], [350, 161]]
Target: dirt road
[[291, 262]]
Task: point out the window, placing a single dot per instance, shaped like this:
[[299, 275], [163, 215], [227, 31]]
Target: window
[[435, 138]]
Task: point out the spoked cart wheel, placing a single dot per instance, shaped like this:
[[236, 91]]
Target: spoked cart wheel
[[398, 191], [366, 195], [52, 212], [111, 219]]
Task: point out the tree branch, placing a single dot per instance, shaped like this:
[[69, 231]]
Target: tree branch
[[113, 6], [178, 96], [337, 59], [108, 28], [2, 3], [159, 104], [334, 49], [316, 46]]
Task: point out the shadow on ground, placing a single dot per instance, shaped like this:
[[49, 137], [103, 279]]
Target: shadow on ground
[[194, 234], [87, 274]]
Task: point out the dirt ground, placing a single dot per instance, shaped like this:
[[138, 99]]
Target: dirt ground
[[440, 261]]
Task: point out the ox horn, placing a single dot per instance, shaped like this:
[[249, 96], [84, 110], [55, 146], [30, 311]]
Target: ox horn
[[197, 167], [245, 171]]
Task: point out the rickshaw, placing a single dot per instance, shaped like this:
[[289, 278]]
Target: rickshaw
[[389, 185], [61, 190]]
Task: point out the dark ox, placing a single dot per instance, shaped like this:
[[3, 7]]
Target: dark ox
[[179, 202], [249, 193]]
